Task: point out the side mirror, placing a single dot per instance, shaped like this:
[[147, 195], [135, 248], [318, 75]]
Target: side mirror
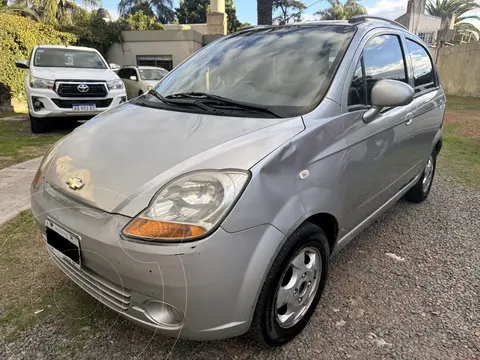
[[388, 93], [133, 78], [21, 64]]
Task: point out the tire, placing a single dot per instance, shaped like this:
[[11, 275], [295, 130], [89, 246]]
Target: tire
[[140, 93], [266, 326], [419, 193], [38, 125]]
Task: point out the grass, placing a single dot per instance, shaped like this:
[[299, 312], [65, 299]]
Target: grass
[[30, 282], [18, 143], [460, 154]]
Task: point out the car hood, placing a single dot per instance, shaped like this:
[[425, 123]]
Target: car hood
[[60, 73], [124, 156]]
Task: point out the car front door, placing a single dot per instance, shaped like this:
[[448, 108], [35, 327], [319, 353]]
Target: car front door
[[380, 160], [429, 101]]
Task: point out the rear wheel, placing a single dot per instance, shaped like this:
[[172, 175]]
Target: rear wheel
[[422, 188], [38, 125], [293, 286], [140, 93]]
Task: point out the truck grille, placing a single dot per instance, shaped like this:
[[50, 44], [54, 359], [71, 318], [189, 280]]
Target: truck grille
[[82, 90], [105, 291], [67, 104]]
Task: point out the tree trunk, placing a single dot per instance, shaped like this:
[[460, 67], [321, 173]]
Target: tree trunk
[[264, 12]]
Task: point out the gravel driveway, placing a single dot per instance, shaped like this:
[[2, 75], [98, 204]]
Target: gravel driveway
[[419, 302]]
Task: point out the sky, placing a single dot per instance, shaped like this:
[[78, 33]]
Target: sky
[[247, 9]]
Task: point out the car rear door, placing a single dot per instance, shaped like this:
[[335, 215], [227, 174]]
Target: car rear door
[[429, 101], [380, 159]]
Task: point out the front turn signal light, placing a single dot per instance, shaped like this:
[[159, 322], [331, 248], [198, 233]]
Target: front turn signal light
[[152, 229], [37, 177]]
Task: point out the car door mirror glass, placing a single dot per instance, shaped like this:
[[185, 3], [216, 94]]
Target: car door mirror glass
[[21, 64], [133, 78], [388, 93]]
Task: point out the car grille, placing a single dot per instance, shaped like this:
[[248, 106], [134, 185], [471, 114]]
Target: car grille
[[67, 104], [105, 291], [91, 90]]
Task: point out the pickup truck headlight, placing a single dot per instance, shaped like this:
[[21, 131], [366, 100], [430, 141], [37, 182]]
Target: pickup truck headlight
[[189, 207], [115, 84], [38, 83]]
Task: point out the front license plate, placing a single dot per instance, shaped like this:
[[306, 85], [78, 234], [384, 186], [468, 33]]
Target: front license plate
[[64, 242], [84, 107]]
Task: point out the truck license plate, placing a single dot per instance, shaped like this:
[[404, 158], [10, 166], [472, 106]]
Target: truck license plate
[[84, 107]]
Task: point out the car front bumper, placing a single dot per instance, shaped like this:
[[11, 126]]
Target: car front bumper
[[50, 109], [213, 283]]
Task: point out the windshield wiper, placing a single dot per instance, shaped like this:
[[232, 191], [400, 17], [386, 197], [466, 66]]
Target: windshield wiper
[[225, 101], [168, 100]]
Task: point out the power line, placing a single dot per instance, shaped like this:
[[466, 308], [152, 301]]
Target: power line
[[301, 11]]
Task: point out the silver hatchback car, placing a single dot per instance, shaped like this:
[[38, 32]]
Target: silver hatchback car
[[213, 204]]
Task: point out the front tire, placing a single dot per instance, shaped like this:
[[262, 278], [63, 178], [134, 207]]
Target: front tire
[[38, 125], [421, 190], [293, 286]]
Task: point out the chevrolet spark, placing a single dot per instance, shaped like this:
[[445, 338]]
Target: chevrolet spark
[[213, 204]]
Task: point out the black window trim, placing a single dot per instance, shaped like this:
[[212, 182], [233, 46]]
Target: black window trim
[[406, 67], [424, 89]]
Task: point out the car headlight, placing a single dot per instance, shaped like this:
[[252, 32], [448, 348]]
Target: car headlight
[[46, 160], [189, 207], [38, 83], [115, 84]]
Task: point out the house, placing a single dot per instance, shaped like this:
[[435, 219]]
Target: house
[[168, 48], [426, 27]]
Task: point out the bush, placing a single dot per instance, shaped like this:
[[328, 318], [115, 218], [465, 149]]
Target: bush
[[18, 36]]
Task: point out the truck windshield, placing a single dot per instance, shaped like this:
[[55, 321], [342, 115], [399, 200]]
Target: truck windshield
[[289, 68], [152, 74], [68, 58]]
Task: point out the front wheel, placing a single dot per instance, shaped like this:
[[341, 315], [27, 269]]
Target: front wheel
[[38, 125], [420, 191], [293, 286]]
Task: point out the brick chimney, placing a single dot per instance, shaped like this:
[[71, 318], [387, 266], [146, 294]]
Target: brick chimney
[[217, 18]]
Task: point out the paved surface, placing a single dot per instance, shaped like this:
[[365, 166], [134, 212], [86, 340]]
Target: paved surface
[[421, 301], [15, 188], [20, 117]]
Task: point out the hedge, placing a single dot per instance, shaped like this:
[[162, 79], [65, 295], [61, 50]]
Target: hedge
[[18, 36]]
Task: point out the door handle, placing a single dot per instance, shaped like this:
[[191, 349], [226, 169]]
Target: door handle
[[408, 119]]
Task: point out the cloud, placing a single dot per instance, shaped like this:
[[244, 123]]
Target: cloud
[[390, 9], [310, 17]]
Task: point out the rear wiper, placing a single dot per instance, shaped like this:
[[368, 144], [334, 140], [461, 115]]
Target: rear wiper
[[168, 100], [226, 101]]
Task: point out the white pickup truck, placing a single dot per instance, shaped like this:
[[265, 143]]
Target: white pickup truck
[[68, 82]]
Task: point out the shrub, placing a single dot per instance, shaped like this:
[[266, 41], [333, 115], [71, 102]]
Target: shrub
[[18, 36]]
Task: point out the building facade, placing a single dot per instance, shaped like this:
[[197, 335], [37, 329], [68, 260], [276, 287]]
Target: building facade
[[424, 26]]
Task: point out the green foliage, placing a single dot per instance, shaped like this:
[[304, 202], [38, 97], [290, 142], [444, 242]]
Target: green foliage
[[289, 9], [18, 36], [140, 21], [192, 11], [446, 8], [233, 24], [161, 9], [339, 11]]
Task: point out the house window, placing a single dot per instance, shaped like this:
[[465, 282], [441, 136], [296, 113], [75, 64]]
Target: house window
[[163, 61]]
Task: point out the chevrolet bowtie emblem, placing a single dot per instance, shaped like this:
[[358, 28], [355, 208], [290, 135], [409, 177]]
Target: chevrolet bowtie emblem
[[75, 183]]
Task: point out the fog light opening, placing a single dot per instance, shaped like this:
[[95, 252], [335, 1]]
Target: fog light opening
[[123, 99], [162, 313], [37, 104]]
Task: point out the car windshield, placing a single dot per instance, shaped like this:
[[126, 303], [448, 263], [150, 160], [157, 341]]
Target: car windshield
[[68, 58], [288, 67], [152, 74]]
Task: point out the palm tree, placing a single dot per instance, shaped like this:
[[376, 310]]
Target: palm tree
[[264, 12], [161, 9], [339, 11], [453, 13]]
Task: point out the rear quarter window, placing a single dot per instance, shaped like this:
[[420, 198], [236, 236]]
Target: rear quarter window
[[423, 72]]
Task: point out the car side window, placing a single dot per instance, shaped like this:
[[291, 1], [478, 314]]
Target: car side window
[[122, 73], [423, 72], [382, 59]]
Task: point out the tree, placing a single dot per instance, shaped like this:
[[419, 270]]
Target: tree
[[233, 23], [161, 9], [192, 11], [140, 21], [453, 13], [289, 9], [264, 12], [339, 11]]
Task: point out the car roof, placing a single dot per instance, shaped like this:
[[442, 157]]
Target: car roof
[[66, 47]]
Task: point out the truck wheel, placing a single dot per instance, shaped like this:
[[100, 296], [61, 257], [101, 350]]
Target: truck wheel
[[38, 125], [293, 286], [140, 93]]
